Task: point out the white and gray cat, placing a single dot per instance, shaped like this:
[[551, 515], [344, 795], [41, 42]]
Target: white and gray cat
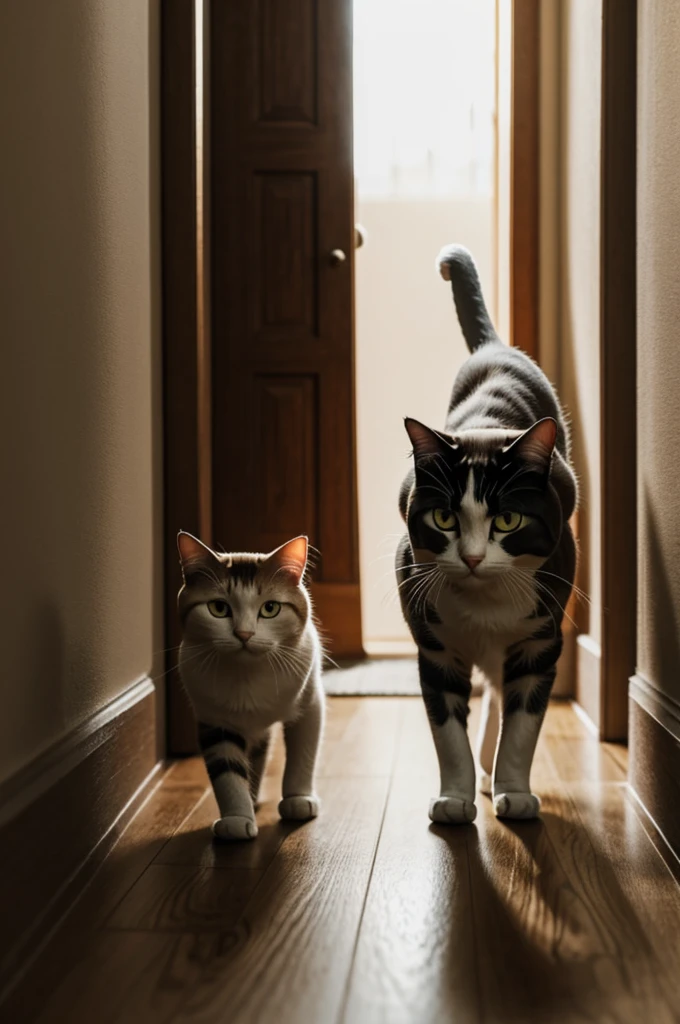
[[487, 565], [250, 657]]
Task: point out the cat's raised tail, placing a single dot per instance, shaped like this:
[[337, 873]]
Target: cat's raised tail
[[455, 264]]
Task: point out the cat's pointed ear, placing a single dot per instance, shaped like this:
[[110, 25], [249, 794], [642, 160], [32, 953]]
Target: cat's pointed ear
[[290, 560], [193, 551], [426, 441], [535, 446]]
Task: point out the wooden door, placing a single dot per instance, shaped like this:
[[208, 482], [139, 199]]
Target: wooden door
[[282, 290]]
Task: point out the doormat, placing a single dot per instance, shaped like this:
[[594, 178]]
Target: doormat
[[374, 677], [381, 677]]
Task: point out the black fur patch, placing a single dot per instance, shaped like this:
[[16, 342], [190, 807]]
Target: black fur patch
[[423, 635], [243, 572], [512, 703], [521, 664], [210, 735], [438, 680], [537, 701], [222, 765], [432, 615], [435, 706]]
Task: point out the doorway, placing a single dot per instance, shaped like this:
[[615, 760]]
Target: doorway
[[425, 158], [261, 365]]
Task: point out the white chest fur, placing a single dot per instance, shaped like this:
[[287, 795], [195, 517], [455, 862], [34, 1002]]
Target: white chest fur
[[478, 625], [249, 693]]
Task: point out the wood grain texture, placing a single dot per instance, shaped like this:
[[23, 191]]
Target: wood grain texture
[[283, 314], [370, 913], [186, 335], [415, 959], [618, 377], [524, 177], [162, 813]]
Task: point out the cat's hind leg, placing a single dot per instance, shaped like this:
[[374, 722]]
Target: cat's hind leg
[[224, 751], [303, 739], [487, 738], [258, 762], [446, 694]]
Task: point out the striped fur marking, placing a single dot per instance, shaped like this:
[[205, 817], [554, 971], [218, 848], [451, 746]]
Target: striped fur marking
[[446, 691], [211, 735], [222, 765]]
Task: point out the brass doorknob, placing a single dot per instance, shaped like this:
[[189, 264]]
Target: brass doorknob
[[337, 257]]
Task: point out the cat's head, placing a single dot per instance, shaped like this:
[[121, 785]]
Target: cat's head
[[245, 605], [482, 503]]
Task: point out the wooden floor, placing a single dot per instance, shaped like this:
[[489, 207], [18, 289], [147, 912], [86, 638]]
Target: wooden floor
[[371, 914]]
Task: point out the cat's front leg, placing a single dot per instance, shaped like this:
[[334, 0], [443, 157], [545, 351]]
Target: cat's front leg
[[529, 674], [446, 693], [224, 751], [303, 739]]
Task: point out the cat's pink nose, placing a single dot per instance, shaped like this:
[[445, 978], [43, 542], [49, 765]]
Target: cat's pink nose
[[472, 561], [244, 634]]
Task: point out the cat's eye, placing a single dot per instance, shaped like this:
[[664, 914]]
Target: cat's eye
[[270, 609], [220, 609], [508, 522], [445, 519]]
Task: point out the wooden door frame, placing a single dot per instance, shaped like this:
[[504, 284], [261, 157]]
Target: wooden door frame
[[525, 176], [186, 335], [618, 364], [610, 667]]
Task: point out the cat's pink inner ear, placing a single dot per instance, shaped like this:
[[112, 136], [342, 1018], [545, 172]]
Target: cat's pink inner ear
[[290, 559], [424, 440], [536, 444], [192, 550]]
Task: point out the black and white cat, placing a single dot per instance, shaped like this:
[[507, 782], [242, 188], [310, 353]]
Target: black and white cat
[[487, 566], [251, 656]]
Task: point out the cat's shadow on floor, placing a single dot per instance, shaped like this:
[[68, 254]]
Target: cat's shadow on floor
[[546, 906]]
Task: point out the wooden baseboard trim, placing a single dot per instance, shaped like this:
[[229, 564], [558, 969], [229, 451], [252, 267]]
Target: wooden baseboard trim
[[654, 742], [588, 662], [64, 812]]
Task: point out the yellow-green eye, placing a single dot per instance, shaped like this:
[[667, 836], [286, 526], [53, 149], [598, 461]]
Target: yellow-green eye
[[445, 519], [270, 609], [508, 522], [220, 609]]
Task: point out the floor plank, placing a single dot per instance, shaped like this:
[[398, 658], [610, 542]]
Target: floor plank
[[176, 897], [370, 914], [299, 929], [162, 814], [415, 957], [553, 905]]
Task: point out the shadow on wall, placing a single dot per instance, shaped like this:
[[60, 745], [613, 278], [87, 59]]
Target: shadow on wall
[[570, 398], [157, 667], [659, 628]]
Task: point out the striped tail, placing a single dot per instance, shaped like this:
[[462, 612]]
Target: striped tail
[[455, 264]]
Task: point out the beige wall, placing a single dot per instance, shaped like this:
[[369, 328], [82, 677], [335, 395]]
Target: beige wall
[[658, 334], [577, 364], [79, 381], [404, 309]]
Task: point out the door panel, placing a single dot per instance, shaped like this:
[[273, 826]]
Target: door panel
[[283, 346]]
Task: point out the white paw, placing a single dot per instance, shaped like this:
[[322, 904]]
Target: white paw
[[452, 810], [516, 805], [234, 827], [299, 808], [485, 783]]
